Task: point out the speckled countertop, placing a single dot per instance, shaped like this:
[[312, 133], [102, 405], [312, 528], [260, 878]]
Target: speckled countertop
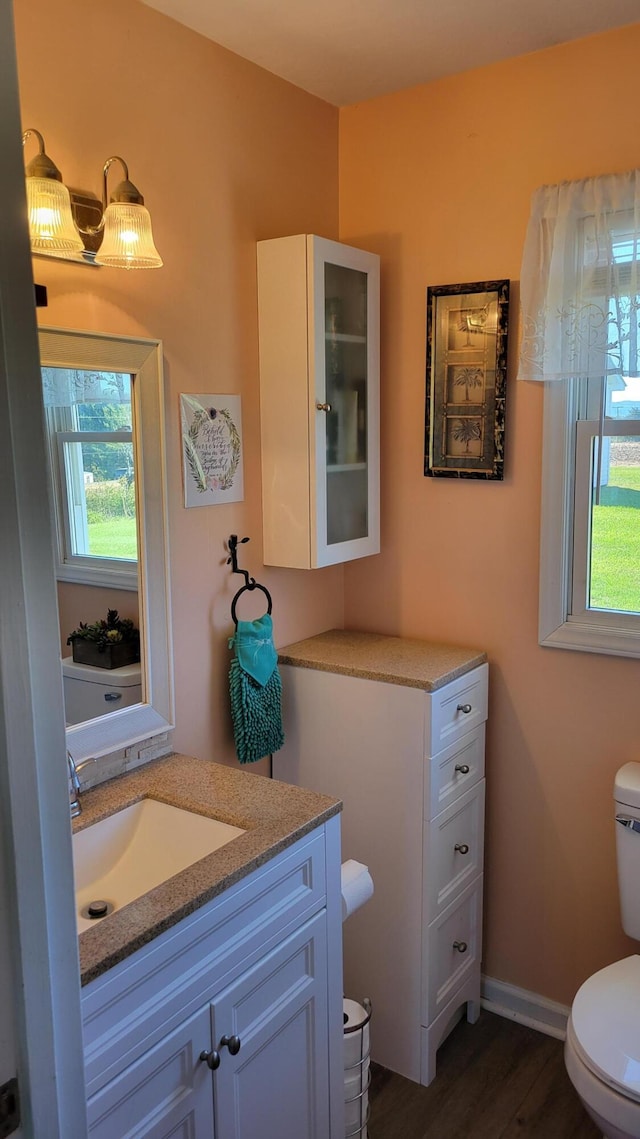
[[394, 660], [273, 814]]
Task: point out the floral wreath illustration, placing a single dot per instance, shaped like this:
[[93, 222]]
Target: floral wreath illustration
[[202, 417]]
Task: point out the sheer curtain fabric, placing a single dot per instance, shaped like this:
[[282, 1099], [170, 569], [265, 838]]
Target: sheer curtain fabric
[[580, 280], [66, 387]]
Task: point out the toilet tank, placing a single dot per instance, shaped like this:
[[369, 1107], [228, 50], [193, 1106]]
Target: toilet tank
[[627, 802], [91, 692]]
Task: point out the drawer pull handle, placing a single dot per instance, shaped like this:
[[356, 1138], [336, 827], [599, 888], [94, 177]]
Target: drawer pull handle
[[466, 708], [463, 768], [461, 847], [232, 1043], [461, 946], [211, 1059]]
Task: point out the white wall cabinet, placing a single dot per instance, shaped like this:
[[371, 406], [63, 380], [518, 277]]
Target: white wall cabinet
[[318, 309], [229, 1026], [409, 767]]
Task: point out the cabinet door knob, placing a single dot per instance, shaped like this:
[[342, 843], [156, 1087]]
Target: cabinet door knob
[[232, 1043], [461, 946], [461, 847], [211, 1059], [466, 708], [463, 768], [323, 406]]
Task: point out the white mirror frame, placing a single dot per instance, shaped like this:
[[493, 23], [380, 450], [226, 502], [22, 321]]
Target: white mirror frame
[[67, 348]]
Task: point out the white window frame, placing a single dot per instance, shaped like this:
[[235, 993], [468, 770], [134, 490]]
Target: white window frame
[[114, 573], [564, 620]]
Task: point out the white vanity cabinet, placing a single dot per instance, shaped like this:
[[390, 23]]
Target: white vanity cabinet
[[229, 1025], [318, 313], [166, 1092], [409, 767], [278, 1083]]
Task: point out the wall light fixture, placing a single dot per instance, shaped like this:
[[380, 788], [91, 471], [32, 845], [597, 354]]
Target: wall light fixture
[[60, 219]]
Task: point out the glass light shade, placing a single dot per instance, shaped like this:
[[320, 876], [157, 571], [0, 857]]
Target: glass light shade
[[128, 240], [51, 226]]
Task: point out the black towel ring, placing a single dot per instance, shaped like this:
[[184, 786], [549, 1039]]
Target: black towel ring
[[250, 583], [243, 589]]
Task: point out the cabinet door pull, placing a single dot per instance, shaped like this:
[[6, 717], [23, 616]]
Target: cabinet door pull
[[466, 708], [323, 406], [461, 946], [211, 1059], [232, 1043], [463, 768], [461, 847]]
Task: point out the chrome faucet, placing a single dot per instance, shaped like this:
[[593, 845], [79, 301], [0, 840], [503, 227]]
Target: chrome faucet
[[74, 779]]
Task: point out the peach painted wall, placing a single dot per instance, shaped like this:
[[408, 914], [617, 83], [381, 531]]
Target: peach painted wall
[[438, 180], [225, 154]]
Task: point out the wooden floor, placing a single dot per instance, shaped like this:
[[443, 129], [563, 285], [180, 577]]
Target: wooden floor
[[495, 1080]]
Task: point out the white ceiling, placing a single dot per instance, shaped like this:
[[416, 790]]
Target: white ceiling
[[349, 50]]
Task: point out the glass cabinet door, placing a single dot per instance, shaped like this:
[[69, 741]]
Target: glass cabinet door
[[318, 322], [347, 405], [346, 396]]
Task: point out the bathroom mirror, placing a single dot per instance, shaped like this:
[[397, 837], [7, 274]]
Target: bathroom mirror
[[103, 400]]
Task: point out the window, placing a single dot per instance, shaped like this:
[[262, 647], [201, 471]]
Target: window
[[581, 309], [606, 533], [89, 422], [590, 540]]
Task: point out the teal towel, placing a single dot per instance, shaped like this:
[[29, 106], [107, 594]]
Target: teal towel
[[255, 649], [256, 691]]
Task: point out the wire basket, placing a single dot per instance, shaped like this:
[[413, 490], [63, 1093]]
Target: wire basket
[[357, 1072]]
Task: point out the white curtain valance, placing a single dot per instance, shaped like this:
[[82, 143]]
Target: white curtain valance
[[580, 280], [66, 387]]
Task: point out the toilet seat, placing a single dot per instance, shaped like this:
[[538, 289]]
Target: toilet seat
[[605, 1026]]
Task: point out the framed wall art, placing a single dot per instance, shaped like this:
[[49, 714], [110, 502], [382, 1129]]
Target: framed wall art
[[466, 380], [211, 449]]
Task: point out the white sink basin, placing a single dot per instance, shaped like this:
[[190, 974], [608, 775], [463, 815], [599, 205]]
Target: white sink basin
[[127, 854]]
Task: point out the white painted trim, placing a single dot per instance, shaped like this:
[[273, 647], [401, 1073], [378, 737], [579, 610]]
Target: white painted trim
[[556, 518], [334, 973], [524, 1007], [80, 573], [34, 798], [589, 637]]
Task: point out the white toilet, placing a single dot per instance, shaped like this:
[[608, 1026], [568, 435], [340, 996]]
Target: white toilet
[[602, 1050], [91, 692]]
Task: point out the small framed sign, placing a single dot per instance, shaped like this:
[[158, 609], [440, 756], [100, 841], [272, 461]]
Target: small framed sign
[[211, 449], [466, 380]]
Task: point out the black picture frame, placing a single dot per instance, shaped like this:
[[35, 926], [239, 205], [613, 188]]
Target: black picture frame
[[467, 329]]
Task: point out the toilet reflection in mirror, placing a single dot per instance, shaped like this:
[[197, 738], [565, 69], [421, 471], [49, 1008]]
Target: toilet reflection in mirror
[[89, 424]]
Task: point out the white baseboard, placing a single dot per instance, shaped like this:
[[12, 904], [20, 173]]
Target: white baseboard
[[525, 1007]]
